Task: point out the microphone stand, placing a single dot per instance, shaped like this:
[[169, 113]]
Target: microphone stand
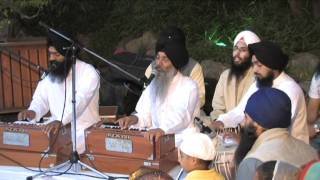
[[74, 160], [138, 80]]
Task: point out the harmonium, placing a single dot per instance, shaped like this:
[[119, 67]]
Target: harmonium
[[30, 145], [110, 149]]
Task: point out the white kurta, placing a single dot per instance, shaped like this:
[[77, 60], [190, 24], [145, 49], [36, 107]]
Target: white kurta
[[49, 96], [298, 128], [176, 114], [314, 91]]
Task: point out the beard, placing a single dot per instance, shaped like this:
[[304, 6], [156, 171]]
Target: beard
[[161, 83], [265, 81], [238, 70], [59, 74], [248, 136]]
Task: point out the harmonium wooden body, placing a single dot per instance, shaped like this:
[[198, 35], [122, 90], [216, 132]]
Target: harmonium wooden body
[[110, 149], [29, 145]]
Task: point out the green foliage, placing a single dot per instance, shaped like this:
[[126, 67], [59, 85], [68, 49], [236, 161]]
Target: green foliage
[[271, 20], [209, 25], [10, 9]]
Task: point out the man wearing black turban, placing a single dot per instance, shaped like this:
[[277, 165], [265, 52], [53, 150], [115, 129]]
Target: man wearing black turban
[[269, 63], [191, 69], [171, 101], [54, 93]]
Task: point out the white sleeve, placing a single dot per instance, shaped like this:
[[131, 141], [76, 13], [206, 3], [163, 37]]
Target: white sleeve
[[234, 117], [315, 87], [39, 103], [143, 109]]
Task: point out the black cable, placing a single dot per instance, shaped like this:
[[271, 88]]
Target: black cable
[[62, 115], [18, 163], [81, 174]]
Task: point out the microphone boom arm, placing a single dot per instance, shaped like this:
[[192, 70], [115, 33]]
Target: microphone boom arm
[[138, 80]]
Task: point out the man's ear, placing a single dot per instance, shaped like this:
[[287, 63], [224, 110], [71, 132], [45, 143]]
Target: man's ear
[[193, 160], [259, 128]]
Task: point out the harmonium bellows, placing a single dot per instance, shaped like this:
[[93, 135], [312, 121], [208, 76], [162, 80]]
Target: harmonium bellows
[[111, 149]]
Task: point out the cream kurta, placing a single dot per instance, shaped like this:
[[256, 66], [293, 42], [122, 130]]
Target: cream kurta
[[228, 94], [278, 144], [275, 144]]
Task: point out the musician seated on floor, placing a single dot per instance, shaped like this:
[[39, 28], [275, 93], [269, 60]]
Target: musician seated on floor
[[265, 135], [195, 155], [171, 101], [54, 92]]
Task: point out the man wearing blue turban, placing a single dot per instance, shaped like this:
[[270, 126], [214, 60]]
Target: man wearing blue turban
[[265, 136]]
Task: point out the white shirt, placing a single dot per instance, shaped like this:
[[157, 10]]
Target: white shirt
[[314, 91], [298, 128], [176, 114], [50, 96], [196, 74]]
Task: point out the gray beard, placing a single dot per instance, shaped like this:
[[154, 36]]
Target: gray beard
[[160, 85]]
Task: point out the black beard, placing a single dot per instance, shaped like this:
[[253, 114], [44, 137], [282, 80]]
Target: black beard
[[239, 69], [265, 82], [59, 74], [248, 136]]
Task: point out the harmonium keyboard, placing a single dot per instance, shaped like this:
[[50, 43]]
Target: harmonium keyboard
[[29, 145], [111, 149]]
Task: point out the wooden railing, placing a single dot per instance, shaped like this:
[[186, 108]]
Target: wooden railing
[[21, 65]]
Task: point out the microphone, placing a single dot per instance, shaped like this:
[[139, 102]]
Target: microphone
[[51, 68], [153, 74], [203, 128]]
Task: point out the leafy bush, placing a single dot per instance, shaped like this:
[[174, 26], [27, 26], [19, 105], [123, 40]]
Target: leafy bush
[[210, 26]]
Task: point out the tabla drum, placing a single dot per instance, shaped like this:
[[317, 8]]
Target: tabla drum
[[223, 161]]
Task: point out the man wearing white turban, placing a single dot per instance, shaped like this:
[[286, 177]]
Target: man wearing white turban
[[235, 81]]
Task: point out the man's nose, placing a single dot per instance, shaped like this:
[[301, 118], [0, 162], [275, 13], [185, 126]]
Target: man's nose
[[158, 63]]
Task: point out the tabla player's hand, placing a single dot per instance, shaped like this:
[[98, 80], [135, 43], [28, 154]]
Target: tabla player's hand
[[26, 115], [154, 134], [232, 135], [127, 121], [52, 127], [215, 125]]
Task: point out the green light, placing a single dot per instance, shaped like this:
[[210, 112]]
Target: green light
[[215, 38], [221, 44]]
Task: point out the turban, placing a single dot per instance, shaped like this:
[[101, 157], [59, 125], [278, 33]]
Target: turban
[[58, 42], [248, 37], [172, 42], [269, 54], [198, 145], [270, 108], [172, 33], [176, 52], [283, 170]]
